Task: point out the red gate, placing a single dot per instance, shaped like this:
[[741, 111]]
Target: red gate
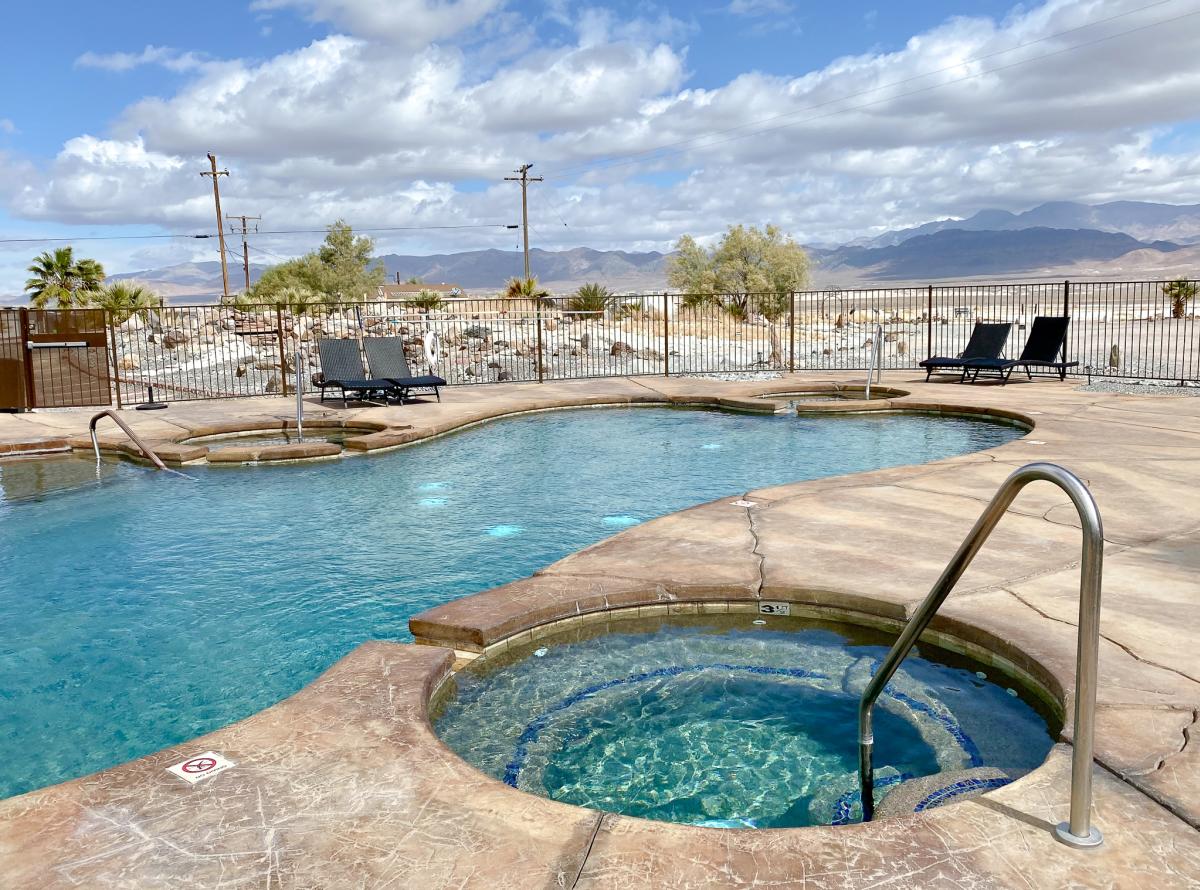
[[54, 358]]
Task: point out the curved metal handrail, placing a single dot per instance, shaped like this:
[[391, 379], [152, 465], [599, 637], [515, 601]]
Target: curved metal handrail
[[875, 360], [145, 449], [1078, 832]]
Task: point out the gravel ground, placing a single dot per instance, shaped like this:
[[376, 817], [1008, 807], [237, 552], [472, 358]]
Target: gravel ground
[[1141, 388]]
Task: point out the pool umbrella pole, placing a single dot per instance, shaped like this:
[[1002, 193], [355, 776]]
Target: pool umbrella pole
[[299, 400]]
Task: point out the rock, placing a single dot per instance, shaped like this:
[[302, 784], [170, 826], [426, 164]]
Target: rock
[[620, 347], [503, 375], [550, 325], [477, 332], [241, 371], [272, 383], [493, 364], [470, 371], [585, 340]]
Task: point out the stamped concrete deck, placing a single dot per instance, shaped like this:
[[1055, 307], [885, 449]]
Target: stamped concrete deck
[[345, 784]]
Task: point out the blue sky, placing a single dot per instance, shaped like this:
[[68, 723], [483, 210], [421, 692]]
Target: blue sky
[[411, 112]]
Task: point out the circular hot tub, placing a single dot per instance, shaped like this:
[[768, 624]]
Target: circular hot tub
[[730, 721]]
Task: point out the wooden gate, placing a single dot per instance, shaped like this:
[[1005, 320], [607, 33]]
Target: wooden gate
[[53, 358]]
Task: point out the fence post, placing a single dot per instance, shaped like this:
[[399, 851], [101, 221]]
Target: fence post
[[929, 324], [792, 333], [666, 339], [540, 365], [27, 358], [112, 342], [283, 387], [1066, 312]]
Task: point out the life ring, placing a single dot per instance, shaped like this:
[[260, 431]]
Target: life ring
[[433, 348]]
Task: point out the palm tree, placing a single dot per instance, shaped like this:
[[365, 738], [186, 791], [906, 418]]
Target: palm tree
[[61, 279], [121, 299]]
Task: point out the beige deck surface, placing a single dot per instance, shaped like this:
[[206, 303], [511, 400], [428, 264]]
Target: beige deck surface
[[345, 785]]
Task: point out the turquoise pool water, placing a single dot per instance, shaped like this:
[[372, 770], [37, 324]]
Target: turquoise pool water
[[140, 610], [718, 721]]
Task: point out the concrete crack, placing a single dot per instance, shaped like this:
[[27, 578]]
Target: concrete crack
[[1105, 637], [754, 551], [587, 851]]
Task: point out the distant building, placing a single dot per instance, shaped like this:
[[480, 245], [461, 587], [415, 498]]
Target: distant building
[[400, 291]]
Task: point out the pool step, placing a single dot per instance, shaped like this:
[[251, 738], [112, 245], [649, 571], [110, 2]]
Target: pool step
[[928, 792]]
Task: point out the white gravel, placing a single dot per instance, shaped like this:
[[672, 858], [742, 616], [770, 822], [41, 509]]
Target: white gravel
[[1142, 387]]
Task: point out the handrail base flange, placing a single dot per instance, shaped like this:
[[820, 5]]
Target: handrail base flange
[[1062, 832]]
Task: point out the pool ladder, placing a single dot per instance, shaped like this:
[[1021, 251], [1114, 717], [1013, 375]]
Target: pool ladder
[[137, 440], [875, 360], [1078, 832]]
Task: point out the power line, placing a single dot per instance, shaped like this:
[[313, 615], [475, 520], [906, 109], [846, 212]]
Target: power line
[[272, 232], [679, 147]]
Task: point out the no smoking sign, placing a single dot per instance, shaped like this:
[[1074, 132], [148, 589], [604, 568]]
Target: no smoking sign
[[202, 766]]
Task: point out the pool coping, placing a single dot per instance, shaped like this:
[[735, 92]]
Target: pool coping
[[715, 551]]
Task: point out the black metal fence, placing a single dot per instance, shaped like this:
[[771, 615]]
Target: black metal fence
[[1132, 330]]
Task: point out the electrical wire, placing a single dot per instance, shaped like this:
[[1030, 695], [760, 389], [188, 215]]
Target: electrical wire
[[265, 232]]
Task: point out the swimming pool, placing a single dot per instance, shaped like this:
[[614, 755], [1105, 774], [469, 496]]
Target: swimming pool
[[730, 721], [142, 610]]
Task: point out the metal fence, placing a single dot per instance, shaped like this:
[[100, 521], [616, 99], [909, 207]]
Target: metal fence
[[1118, 329]]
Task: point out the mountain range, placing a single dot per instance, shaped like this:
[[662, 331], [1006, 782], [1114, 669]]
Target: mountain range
[[1120, 239]]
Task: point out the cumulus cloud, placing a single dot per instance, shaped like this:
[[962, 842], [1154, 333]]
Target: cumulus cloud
[[165, 56], [411, 23], [973, 113]]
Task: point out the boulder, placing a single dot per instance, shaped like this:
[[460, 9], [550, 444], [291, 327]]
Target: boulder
[[620, 347]]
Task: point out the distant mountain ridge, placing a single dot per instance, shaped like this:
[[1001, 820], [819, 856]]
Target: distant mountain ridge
[[1116, 239], [950, 253], [1142, 220], [492, 268]]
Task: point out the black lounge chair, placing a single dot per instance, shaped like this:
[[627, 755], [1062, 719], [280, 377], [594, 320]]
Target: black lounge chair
[[342, 369], [1045, 348], [386, 357], [987, 341]]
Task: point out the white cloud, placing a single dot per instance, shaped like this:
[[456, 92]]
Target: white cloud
[[168, 58], [411, 23], [759, 7], [8, 127], [348, 126]]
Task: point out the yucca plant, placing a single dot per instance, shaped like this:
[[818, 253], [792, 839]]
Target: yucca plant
[[123, 299], [591, 300], [297, 299], [526, 289], [426, 300], [1179, 292]]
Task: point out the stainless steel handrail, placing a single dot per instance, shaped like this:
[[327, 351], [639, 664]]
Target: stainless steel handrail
[[875, 360], [145, 449], [1078, 832]]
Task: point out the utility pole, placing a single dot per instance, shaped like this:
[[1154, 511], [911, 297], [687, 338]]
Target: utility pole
[[524, 179], [245, 246], [215, 173]]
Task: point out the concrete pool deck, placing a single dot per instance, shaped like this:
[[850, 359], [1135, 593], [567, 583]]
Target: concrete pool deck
[[345, 785]]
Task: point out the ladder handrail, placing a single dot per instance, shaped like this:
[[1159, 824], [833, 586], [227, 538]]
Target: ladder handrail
[[145, 449], [875, 360], [1078, 832]]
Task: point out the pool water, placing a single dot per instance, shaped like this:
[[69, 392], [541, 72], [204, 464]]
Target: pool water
[[717, 721], [140, 609]]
